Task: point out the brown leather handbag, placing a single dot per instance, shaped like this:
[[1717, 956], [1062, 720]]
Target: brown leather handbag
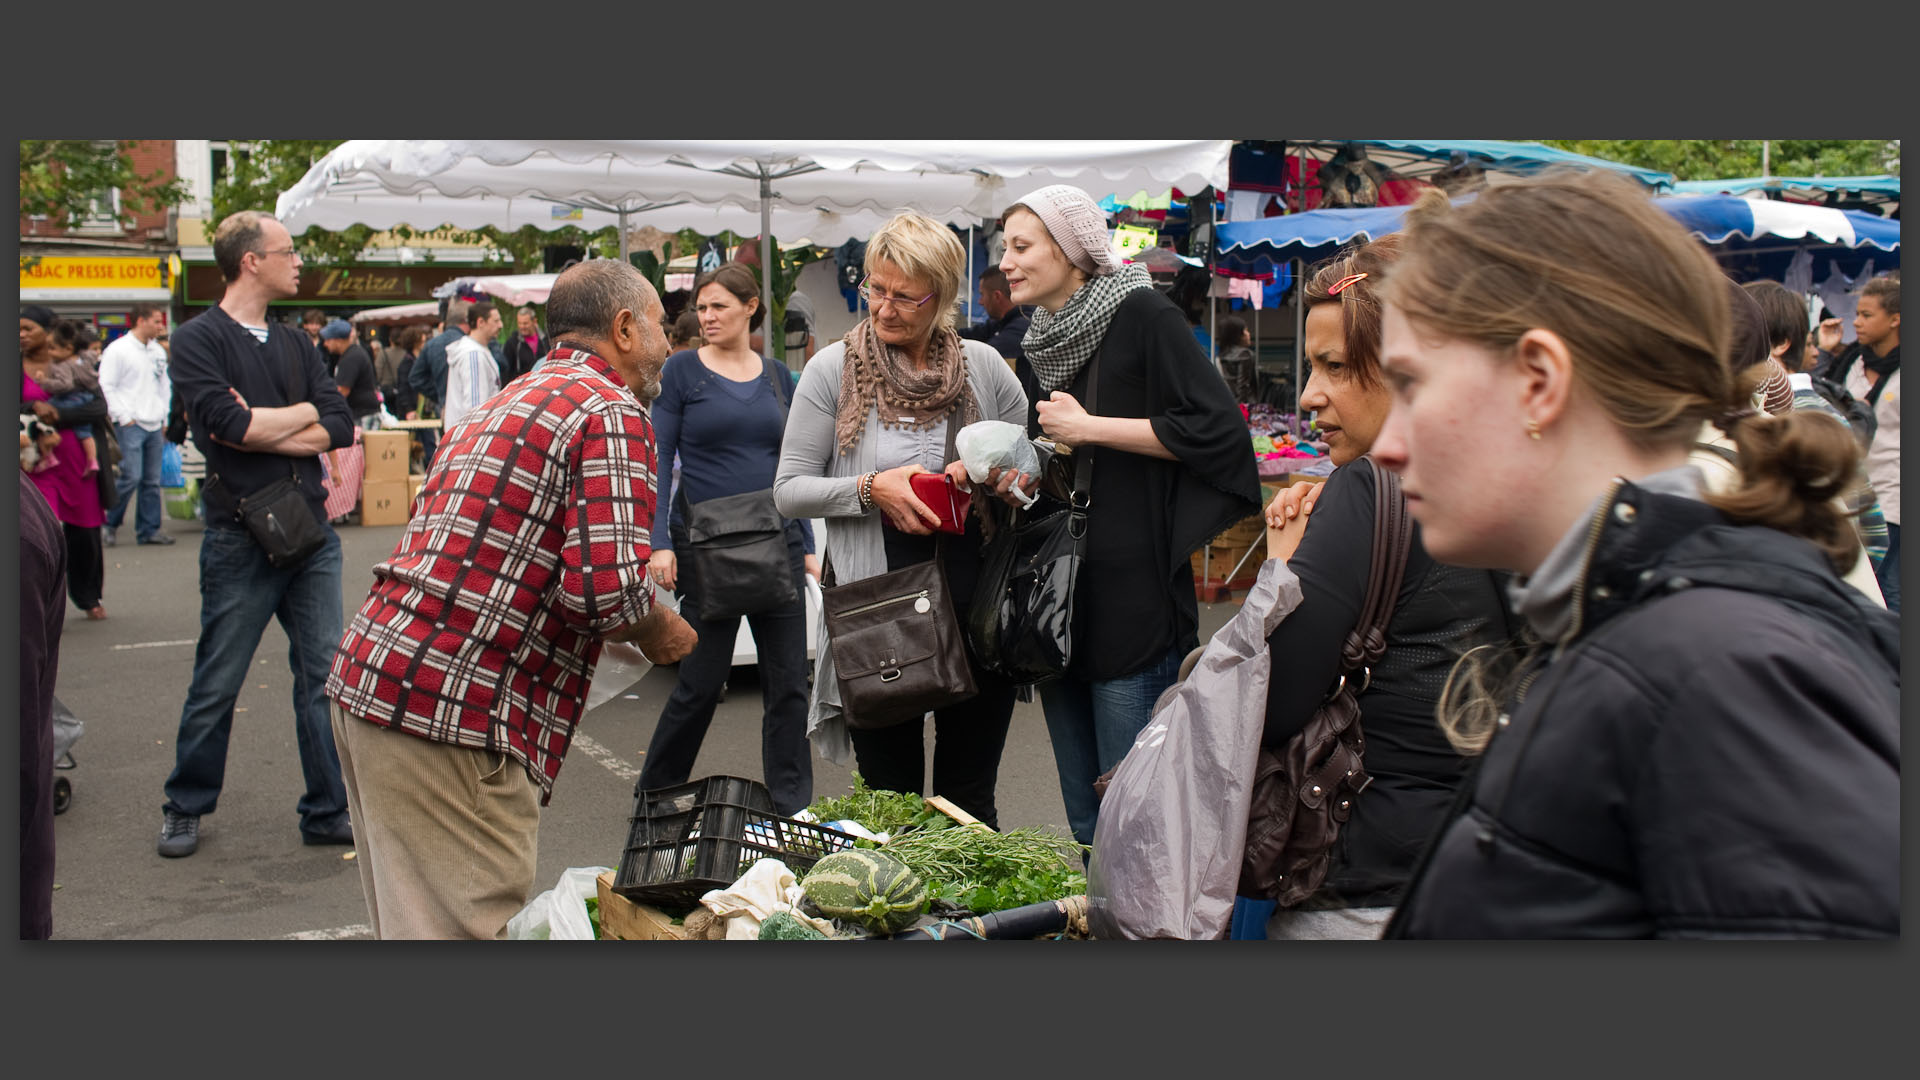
[[1303, 795], [895, 639]]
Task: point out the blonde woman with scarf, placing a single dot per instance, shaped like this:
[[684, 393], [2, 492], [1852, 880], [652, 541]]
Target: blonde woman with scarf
[[1172, 466], [870, 411]]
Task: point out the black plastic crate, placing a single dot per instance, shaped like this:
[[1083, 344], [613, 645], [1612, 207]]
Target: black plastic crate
[[692, 838]]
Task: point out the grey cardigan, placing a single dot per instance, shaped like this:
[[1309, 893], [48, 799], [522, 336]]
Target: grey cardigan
[[815, 480]]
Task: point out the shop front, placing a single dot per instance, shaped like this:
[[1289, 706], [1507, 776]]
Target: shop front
[[96, 290], [336, 290]]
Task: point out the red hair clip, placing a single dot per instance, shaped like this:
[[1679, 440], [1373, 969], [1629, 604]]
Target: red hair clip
[[1336, 288]]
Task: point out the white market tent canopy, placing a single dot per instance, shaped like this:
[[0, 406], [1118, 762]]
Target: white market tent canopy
[[689, 184], [827, 192], [399, 313]]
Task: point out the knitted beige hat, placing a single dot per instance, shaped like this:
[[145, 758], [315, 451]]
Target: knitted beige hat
[[1077, 224]]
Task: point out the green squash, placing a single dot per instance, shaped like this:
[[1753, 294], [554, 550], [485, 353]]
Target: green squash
[[867, 887]]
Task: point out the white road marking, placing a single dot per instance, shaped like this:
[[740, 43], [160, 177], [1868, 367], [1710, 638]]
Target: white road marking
[[338, 933], [158, 644], [606, 757]]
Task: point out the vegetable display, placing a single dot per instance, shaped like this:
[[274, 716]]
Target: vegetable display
[[986, 871], [969, 867]]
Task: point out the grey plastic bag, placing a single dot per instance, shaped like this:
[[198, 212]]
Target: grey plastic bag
[[1166, 853]]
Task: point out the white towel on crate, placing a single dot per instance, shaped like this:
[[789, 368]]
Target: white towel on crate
[[767, 886]]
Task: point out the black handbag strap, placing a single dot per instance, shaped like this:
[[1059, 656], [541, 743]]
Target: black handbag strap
[[1080, 500], [1392, 537]]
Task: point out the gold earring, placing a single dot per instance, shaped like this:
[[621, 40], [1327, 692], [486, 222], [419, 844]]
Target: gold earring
[[1533, 429]]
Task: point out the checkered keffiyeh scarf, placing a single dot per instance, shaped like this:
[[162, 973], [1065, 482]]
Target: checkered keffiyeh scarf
[[1060, 343]]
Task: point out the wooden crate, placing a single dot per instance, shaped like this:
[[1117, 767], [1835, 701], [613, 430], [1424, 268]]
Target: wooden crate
[[626, 920]]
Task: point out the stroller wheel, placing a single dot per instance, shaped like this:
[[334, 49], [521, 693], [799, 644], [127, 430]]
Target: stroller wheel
[[62, 794]]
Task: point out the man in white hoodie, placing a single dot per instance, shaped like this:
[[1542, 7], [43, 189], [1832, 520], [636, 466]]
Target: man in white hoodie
[[472, 374]]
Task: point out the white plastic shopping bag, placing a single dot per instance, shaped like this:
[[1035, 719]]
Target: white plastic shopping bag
[[560, 913], [987, 445]]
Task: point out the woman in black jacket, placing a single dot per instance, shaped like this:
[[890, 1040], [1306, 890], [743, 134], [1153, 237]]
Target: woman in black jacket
[[1707, 742], [1172, 464], [1441, 612]]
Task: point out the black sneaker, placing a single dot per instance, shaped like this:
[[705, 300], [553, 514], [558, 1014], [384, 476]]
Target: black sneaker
[[179, 834], [339, 834]]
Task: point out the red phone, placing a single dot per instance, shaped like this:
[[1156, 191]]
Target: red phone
[[937, 490]]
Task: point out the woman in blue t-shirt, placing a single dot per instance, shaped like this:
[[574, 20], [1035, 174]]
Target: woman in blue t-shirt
[[724, 409]]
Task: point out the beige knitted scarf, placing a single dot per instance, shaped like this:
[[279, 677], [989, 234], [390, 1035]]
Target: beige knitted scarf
[[878, 375]]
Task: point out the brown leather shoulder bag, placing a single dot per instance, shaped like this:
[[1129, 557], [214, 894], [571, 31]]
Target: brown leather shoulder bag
[[1302, 795]]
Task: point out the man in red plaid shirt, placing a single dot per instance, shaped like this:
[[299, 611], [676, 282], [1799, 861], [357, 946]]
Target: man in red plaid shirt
[[458, 684]]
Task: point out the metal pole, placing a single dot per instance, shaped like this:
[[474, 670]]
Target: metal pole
[[766, 266], [623, 236], [1299, 341], [1213, 245], [1766, 147], [971, 289]]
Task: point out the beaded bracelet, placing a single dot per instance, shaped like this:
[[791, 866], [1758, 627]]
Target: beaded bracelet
[[866, 492]]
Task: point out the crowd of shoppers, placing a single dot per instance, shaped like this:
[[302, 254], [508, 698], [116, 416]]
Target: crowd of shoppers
[[1651, 598]]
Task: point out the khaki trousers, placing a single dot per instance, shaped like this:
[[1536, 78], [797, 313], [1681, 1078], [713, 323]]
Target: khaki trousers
[[446, 835]]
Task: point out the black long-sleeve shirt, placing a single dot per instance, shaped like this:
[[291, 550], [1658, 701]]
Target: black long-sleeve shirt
[[213, 356]]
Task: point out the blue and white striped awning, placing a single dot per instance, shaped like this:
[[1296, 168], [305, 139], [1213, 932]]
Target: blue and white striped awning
[[1723, 221]]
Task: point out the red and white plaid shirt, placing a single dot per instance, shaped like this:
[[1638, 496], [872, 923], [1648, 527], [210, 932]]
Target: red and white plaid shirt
[[528, 543]]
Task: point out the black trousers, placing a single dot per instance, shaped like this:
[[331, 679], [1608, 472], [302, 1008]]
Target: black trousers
[[86, 565], [968, 736], [780, 638]]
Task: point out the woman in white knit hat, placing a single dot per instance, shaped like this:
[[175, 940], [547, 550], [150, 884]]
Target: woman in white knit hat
[[1171, 466]]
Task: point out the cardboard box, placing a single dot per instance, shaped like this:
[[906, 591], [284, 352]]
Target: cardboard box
[[384, 502], [627, 920], [413, 486], [387, 454]]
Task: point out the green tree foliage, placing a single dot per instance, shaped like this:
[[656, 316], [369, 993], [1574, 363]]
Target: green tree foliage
[[1727, 159], [254, 180], [62, 179]]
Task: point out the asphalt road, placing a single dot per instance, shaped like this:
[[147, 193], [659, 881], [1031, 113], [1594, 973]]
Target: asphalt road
[[252, 878]]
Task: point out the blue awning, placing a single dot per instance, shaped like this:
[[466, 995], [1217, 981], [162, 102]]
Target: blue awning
[[1418, 158], [1755, 227], [1797, 185]]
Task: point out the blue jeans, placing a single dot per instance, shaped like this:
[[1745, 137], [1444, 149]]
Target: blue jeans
[[239, 592], [139, 468], [1093, 725], [1888, 572]]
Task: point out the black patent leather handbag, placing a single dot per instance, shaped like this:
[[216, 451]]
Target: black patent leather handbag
[[1021, 624]]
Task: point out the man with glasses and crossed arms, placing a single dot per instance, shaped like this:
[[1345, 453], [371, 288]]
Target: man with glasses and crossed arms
[[260, 404]]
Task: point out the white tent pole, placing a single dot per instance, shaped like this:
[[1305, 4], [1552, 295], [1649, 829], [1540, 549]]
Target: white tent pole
[[767, 329], [623, 236], [968, 299]]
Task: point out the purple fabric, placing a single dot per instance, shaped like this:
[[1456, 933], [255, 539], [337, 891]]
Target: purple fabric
[[75, 497]]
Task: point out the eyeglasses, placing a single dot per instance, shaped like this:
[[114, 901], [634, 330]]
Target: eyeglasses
[[277, 251], [1340, 286], [874, 299]]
